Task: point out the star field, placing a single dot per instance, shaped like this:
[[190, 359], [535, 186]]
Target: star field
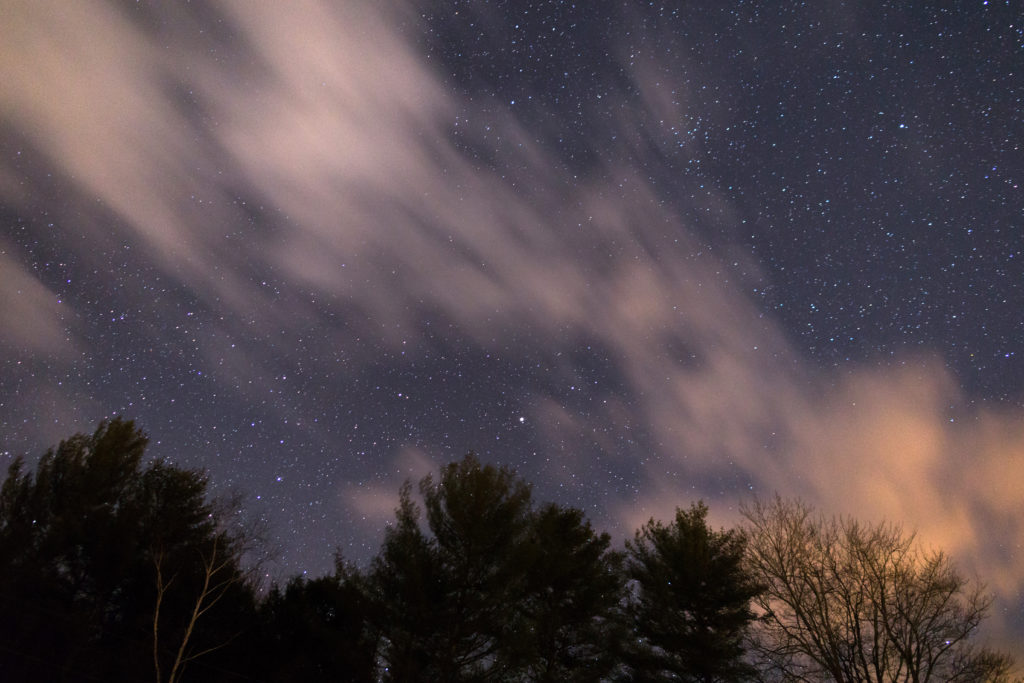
[[643, 253]]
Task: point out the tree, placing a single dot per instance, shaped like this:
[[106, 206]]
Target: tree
[[316, 630], [408, 588], [692, 604], [848, 601], [570, 623], [216, 575], [103, 561], [447, 599], [63, 560], [493, 589]]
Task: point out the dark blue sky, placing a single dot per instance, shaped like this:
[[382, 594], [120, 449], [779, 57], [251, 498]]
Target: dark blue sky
[[644, 253]]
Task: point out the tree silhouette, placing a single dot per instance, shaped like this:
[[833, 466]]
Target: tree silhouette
[[448, 599], [848, 601], [116, 569], [692, 605], [493, 590], [104, 561], [316, 630], [570, 624]]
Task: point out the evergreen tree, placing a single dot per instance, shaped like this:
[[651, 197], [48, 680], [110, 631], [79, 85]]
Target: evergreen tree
[[110, 569], [316, 630], [492, 589], [692, 602], [448, 599], [570, 623]]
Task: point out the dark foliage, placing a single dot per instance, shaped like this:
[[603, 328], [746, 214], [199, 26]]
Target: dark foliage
[[570, 623], [112, 569], [316, 630], [80, 542], [691, 610], [492, 589]]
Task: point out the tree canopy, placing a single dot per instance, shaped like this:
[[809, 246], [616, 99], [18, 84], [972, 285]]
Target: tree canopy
[[109, 568], [693, 599], [493, 589], [115, 567], [854, 602]]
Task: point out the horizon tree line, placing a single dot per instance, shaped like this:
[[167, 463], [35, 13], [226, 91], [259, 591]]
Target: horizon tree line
[[112, 568]]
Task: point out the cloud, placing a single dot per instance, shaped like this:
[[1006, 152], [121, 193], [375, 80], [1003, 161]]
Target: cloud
[[33, 315], [84, 86], [375, 502]]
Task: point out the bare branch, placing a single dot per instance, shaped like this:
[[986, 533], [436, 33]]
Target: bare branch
[[848, 601]]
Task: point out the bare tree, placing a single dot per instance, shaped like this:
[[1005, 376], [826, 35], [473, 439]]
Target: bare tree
[[207, 568], [219, 572], [854, 602]]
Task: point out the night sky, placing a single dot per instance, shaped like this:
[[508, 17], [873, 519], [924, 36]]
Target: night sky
[[644, 253]]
